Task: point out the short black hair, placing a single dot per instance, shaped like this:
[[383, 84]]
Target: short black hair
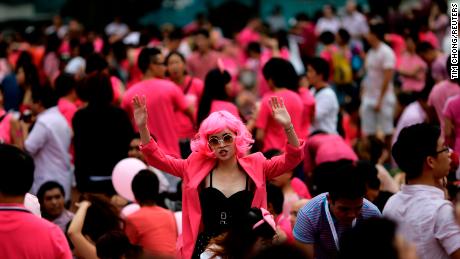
[[321, 67], [379, 30], [374, 236], [423, 47], [64, 84], [95, 63], [253, 46], [348, 182], [99, 89], [282, 73], [145, 187], [414, 144], [344, 35], [275, 197], [17, 171], [370, 171], [327, 37], [202, 32], [146, 57], [176, 34], [46, 187], [44, 95]]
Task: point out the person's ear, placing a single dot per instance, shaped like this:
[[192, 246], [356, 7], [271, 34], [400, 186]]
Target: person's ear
[[430, 161]]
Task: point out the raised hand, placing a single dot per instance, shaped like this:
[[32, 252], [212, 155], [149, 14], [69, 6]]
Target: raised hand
[[140, 111], [280, 113]]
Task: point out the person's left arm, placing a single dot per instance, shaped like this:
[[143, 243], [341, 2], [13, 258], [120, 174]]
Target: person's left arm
[[82, 245], [389, 64]]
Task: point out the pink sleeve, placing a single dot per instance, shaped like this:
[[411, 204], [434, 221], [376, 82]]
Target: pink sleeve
[[179, 99], [131, 232], [287, 161], [264, 114], [300, 188], [158, 159], [448, 111]]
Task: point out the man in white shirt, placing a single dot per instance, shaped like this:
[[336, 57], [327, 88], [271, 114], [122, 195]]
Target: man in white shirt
[[326, 102], [378, 98], [354, 22], [423, 214]]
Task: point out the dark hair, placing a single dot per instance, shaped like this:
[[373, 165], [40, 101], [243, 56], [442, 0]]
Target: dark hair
[[3, 49], [52, 43], [275, 197], [369, 148], [378, 30], [344, 35], [116, 245], [202, 32], [64, 84], [320, 66], [176, 34], [253, 46], [281, 251], [327, 37], [370, 173], [282, 73], [24, 59], [17, 171], [374, 237], [95, 63], [177, 53], [145, 187], [44, 95], [146, 57], [348, 182], [423, 47], [238, 242], [46, 187], [413, 145], [214, 89], [101, 218], [99, 87]]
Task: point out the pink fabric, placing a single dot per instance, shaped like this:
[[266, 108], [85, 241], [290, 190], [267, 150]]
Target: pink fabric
[[398, 45], [51, 66], [153, 228], [322, 148], [267, 217], [439, 69], [5, 128], [218, 105], [308, 114], [67, 109], [25, 235], [439, 95], [410, 62], [193, 96], [274, 136], [246, 36], [300, 188], [98, 44], [199, 65], [430, 37], [196, 167], [164, 98], [452, 112], [116, 85], [284, 224]]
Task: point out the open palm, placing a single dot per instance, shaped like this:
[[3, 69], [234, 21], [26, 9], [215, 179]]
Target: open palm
[[280, 113], [140, 111]]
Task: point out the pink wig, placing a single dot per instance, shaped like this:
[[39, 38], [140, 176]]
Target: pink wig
[[217, 122]]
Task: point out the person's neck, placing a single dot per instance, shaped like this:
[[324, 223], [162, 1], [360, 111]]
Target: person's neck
[[376, 44], [179, 79], [287, 187], [424, 179], [11, 198], [278, 89], [148, 204], [320, 85], [148, 75], [229, 165]]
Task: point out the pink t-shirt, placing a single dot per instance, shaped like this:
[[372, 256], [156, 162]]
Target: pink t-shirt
[[199, 65], [439, 95], [322, 148], [300, 188], [194, 90], [397, 44], [25, 235], [153, 228], [218, 105], [5, 128], [67, 109], [274, 135], [117, 89], [246, 36], [164, 99], [308, 114], [410, 62], [452, 112]]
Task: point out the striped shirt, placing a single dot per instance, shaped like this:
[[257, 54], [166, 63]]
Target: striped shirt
[[312, 226]]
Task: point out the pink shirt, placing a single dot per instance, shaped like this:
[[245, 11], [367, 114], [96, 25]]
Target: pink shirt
[[439, 69], [192, 89], [439, 95], [322, 148], [274, 135], [452, 112], [67, 109], [300, 188], [409, 62], [199, 65], [117, 89], [164, 99], [246, 36], [5, 128], [308, 114], [153, 228], [196, 167], [218, 105], [25, 235]]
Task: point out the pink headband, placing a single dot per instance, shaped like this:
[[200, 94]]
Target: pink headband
[[267, 217]]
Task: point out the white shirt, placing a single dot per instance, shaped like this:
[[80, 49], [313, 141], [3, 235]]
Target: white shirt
[[425, 218], [327, 24], [326, 110], [413, 114], [355, 24], [377, 61], [48, 143], [119, 29]]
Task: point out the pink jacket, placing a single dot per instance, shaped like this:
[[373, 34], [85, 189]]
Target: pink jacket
[[196, 167]]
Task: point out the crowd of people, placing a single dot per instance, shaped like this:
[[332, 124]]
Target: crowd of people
[[335, 137]]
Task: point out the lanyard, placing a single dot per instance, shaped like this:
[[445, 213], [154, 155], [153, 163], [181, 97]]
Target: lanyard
[[332, 226]]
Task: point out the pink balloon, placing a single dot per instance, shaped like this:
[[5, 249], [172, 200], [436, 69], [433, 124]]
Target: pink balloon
[[129, 209], [123, 174]]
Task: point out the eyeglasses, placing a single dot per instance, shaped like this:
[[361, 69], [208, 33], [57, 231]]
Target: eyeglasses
[[444, 149], [226, 139]]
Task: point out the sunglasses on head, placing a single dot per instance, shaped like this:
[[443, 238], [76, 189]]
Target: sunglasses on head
[[226, 139]]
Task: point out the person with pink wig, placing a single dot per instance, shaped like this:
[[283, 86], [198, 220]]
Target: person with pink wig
[[221, 181]]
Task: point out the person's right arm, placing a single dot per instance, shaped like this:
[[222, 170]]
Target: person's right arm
[[304, 231], [153, 154]]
